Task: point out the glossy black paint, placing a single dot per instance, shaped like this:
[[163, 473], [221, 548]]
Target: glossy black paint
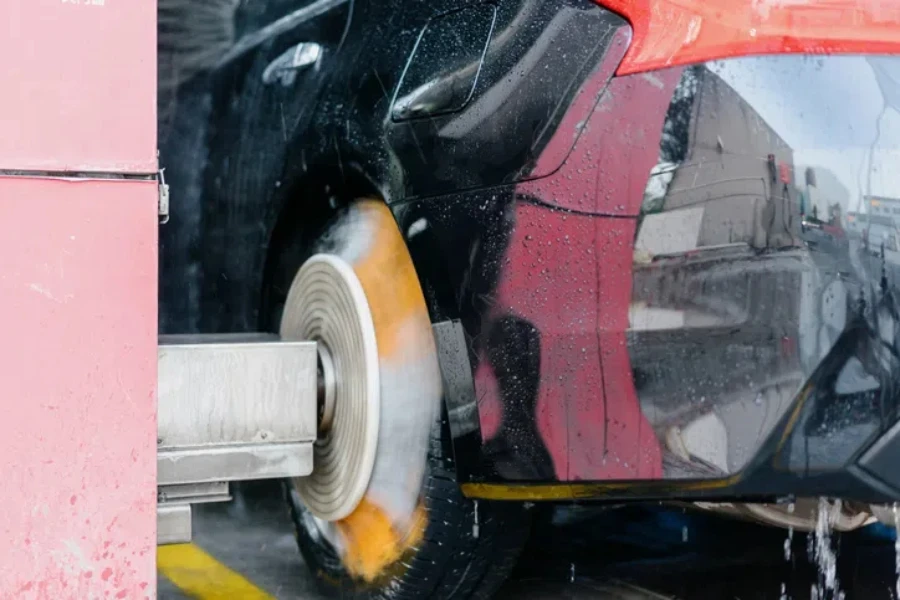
[[269, 153], [527, 184], [538, 56], [783, 343], [443, 69]]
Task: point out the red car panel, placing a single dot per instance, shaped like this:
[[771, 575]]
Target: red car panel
[[669, 33]]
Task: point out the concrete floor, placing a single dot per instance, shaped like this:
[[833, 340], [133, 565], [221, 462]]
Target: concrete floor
[[254, 539], [252, 536], [578, 554]]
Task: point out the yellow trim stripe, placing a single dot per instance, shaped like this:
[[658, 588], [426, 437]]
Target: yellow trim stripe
[[200, 576], [585, 491]]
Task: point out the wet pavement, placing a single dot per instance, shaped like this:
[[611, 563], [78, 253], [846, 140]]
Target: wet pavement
[[580, 553]]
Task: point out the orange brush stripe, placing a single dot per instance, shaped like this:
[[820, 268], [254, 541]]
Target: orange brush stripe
[[390, 282], [371, 540], [371, 544]]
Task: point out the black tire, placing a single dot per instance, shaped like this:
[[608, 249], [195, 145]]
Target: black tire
[[457, 559], [453, 561]]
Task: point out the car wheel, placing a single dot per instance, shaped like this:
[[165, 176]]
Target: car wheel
[[466, 548], [468, 551]]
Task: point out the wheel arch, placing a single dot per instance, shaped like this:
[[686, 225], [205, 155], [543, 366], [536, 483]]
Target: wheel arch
[[311, 200]]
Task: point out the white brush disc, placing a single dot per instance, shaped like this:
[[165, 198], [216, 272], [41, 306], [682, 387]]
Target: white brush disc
[[326, 304]]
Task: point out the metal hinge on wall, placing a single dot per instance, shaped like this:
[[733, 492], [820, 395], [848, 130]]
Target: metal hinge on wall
[[163, 202]]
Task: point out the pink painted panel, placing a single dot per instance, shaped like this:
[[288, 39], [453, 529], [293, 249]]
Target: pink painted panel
[[78, 85], [78, 279]]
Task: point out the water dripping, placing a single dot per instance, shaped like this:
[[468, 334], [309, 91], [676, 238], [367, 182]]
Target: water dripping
[[788, 550], [824, 555], [788, 544], [896, 511]]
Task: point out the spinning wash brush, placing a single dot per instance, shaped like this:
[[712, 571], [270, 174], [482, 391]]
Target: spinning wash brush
[[360, 299]]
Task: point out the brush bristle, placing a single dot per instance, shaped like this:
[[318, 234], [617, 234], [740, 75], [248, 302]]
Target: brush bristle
[[391, 517]]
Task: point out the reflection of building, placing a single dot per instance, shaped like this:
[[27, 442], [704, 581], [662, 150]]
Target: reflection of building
[[713, 319], [876, 229], [883, 206], [822, 195], [724, 175], [879, 225]]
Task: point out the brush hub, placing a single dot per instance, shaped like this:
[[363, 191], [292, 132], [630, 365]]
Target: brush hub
[[327, 304]]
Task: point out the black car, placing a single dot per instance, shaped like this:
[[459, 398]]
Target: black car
[[625, 302]]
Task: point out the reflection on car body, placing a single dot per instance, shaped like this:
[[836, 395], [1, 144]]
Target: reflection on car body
[[739, 296]]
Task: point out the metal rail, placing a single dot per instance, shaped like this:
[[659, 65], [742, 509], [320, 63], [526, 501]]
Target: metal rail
[[231, 408]]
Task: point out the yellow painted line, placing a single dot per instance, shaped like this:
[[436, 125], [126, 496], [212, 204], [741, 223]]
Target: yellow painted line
[[200, 576]]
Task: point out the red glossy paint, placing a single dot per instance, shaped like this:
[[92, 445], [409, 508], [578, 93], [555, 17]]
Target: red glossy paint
[[678, 32], [606, 172], [569, 276], [78, 433]]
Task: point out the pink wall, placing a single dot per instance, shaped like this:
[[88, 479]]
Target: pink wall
[[78, 279], [78, 85]]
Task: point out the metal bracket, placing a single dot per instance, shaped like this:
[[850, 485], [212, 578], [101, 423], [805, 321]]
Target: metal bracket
[[231, 408], [456, 373], [163, 203], [173, 512], [173, 524]]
